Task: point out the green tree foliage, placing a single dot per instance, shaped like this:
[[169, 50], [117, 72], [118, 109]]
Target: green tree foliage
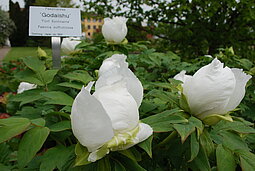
[[6, 27], [54, 3], [20, 18], [193, 27]]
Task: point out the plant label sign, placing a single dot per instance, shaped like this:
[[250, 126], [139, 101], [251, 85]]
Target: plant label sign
[[54, 22]]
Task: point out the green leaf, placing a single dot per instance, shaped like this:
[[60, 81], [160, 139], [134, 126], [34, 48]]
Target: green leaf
[[48, 76], [131, 153], [164, 96], [30, 77], [30, 112], [30, 144], [201, 162], [184, 130], [197, 123], [118, 166], [161, 117], [247, 160], [245, 63], [5, 152], [34, 64], [27, 96], [236, 126], [194, 146], [5, 168], [12, 126], [162, 122], [103, 164], [146, 146], [63, 114], [207, 143], [162, 127], [56, 157], [38, 122], [82, 155], [225, 159], [60, 126], [130, 164], [147, 106], [163, 85], [58, 97], [233, 141], [79, 75], [71, 85], [184, 103]]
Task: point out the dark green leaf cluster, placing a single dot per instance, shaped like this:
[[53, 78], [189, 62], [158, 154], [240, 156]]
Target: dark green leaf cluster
[[190, 28], [38, 134]]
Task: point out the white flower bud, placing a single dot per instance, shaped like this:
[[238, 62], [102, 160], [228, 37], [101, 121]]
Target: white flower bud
[[115, 29], [213, 89]]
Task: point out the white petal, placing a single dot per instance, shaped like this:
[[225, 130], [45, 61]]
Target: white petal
[[89, 86], [115, 69], [239, 92], [145, 131], [209, 90], [182, 76], [90, 123], [23, 86], [120, 106], [115, 61], [68, 45]]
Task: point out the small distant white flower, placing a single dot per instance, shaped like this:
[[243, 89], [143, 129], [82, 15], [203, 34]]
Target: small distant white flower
[[213, 89], [108, 119], [115, 29], [208, 56], [68, 44], [23, 86]]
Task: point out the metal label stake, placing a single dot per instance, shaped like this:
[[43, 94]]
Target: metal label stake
[[56, 59]]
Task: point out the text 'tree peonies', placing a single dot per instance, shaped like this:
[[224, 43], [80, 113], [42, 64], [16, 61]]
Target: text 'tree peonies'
[[213, 90], [108, 120], [114, 30]]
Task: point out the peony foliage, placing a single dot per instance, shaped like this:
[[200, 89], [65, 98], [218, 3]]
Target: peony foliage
[[116, 106]]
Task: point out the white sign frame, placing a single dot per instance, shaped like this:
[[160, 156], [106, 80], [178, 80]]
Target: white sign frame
[[54, 22]]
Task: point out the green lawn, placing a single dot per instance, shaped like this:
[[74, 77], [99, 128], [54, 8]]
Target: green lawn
[[19, 52]]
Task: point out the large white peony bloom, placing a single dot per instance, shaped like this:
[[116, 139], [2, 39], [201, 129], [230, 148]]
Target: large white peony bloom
[[213, 89], [23, 86], [108, 120], [68, 44], [115, 29]]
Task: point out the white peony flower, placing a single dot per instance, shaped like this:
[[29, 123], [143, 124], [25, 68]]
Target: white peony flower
[[213, 89], [115, 69], [108, 119], [23, 86], [68, 44], [114, 30]]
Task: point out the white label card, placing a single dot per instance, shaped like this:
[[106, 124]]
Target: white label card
[[54, 22]]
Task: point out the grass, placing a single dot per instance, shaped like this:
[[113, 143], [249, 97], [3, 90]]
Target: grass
[[19, 52]]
